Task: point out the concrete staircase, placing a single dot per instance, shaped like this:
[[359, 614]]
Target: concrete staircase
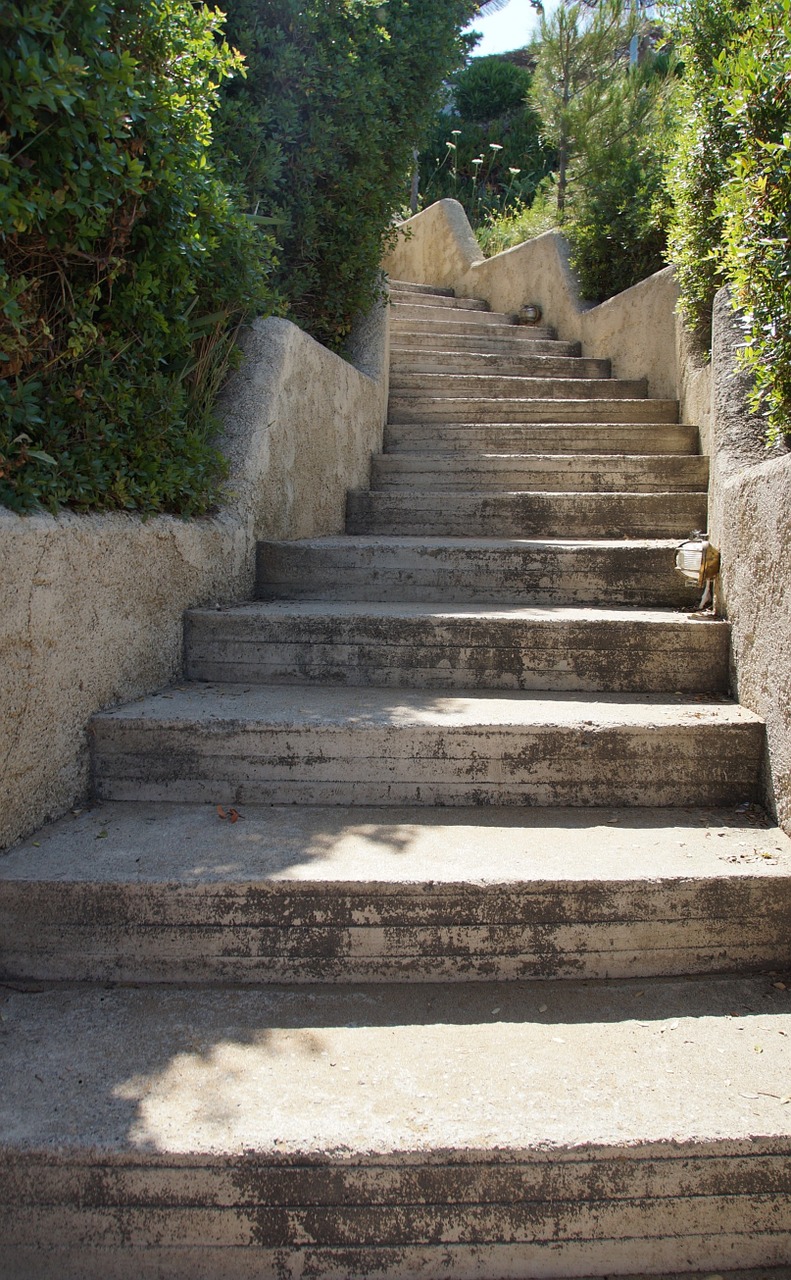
[[428, 928]]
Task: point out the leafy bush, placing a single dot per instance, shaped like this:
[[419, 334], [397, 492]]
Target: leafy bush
[[322, 132], [484, 147], [514, 226], [125, 266], [755, 204], [731, 183], [703, 30], [619, 210]]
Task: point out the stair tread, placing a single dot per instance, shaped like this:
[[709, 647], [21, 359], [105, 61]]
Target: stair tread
[[220, 704], [362, 541], [485, 1073], [408, 610], [396, 849]]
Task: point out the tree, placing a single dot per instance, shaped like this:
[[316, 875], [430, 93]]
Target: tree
[[583, 53], [322, 129]]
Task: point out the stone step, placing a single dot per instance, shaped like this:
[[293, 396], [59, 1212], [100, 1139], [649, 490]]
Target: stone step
[[407, 363], [551, 471], [470, 1130], [231, 744], [415, 646], [173, 893], [437, 301], [423, 342], [450, 317], [400, 286], [541, 437], [474, 571], [436, 513], [430, 386], [494, 409], [491, 338]]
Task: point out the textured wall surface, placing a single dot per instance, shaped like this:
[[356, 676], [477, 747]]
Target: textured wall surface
[[91, 606], [636, 329], [750, 521]]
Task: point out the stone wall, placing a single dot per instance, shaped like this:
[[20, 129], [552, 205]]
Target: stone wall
[[750, 493], [91, 606], [636, 329]]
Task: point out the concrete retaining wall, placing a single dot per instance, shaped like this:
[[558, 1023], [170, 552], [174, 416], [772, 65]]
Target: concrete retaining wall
[[750, 493], [91, 606], [636, 329]]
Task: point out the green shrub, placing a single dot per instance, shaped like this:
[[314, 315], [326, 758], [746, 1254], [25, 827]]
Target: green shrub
[[125, 266], [514, 226], [731, 184], [322, 132], [484, 148], [703, 30], [755, 204], [619, 210]]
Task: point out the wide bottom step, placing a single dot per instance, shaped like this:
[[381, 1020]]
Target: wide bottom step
[[474, 1131], [155, 893]]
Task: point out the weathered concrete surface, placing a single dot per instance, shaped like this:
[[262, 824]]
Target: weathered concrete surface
[[750, 521], [636, 329], [173, 893], [548, 437], [554, 472], [474, 570], [469, 1131], [750, 518], [91, 606], [433, 513], [527, 364], [560, 409], [515, 388], [230, 744], [430, 646]]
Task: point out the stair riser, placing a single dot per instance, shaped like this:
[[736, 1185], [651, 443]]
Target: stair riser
[[525, 515], [444, 439], [620, 657], [414, 298], [492, 329], [419, 386], [232, 933], [537, 473], [571, 1213], [485, 575], [406, 367], [365, 764], [406, 313], [522, 348], [430, 290], [444, 409]]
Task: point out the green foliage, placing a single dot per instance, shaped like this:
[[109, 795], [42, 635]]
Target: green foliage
[[484, 148], [755, 203], [704, 31], [619, 208], [582, 59], [125, 266], [322, 131], [489, 88], [514, 226], [731, 183]]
